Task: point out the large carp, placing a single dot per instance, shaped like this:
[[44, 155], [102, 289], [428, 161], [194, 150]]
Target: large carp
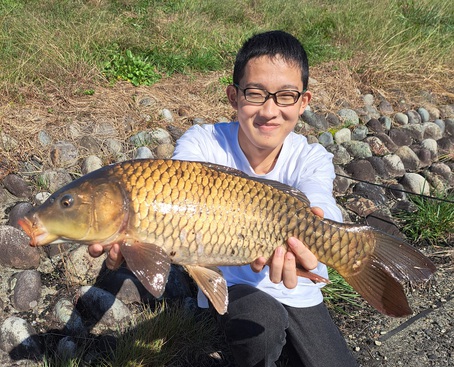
[[202, 215]]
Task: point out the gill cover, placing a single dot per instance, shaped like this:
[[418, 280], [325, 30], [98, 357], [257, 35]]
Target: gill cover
[[90, 209]]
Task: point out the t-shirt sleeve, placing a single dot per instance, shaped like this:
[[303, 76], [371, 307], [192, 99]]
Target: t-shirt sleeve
[[193, 145]]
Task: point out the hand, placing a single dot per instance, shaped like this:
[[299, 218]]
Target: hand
[[283, 263], [114, 257]]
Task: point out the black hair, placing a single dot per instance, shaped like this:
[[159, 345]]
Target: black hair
[[271, 44]]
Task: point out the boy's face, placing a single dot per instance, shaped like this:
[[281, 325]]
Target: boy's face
[[264, 127]]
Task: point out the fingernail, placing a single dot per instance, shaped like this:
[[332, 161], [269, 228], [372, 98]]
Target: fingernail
[[279, 252]]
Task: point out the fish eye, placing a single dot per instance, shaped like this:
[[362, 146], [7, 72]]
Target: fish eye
[[66, 201]]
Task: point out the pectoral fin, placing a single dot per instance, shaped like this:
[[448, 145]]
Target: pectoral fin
[[301, 272], [149, 263], [212, 284]]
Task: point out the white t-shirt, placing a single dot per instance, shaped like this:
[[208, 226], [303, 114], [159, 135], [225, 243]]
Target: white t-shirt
[[307, 167]]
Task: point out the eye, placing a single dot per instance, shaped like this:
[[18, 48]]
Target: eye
[[66, 201]]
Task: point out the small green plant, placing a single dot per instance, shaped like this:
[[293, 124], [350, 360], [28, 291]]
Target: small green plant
[[339, 291], [133, 68], [431, 221]]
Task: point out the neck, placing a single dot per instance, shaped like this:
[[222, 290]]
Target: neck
[[262, 161]]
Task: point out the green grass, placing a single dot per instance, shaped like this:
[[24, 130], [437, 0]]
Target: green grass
[[432, 220], [166, 336], [71, 41]]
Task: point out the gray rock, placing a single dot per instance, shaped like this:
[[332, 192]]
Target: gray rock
[[164, 151], [348, 116], [360, 132], [424, 114], [27, 290], [41, 197], [198, 121], [167, 115], [326, 139], [7, 142], [361, 170], [17, 186], [375, 126], [408, 158], [370, 112], [341, 155], [397, 191], [144, 153], [19, 339], [446, 111], [377, 146], [91, 163], [44, 139], [17, 212], [415, 131], [394, 165], [392, 147], [432, 131], [341, 183], [372, 192], [160, 136], [147, 101], [111, 312], [333, 119], [90, 145], [432, 147], [385, 108], [315, 120], [443, 170], [436, 182], [81, 268], [415, 183], [67, 314], [15, 249], [113, 146], [54, 179], [424, 156], [441, 124], [64, 154], [446, 145], [175, 132], [360, 206], [124, 286], [386, 122], [413, 117], [449, 126], [358, 149], [401, 118], [342, 136], [368, 99], [379, 167], [400, 137]]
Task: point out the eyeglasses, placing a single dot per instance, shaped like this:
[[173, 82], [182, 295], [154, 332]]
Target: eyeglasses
[[260, 96]]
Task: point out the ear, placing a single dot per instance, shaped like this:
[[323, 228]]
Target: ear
[[305, 99], [232, 95]]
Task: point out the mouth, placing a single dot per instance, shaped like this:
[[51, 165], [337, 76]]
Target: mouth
[[37, 233], [267, 127]]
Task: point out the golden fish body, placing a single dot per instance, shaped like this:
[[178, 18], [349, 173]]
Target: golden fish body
[[202, 215]]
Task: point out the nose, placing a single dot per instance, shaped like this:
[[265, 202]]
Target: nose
[[269, 109]]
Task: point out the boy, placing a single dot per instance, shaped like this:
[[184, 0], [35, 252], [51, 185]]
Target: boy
[[269, 306]]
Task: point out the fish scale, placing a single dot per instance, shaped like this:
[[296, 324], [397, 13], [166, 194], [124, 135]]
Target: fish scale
[[202, 215]]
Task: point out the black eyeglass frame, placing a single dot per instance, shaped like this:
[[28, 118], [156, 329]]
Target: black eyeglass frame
[[273, 95]]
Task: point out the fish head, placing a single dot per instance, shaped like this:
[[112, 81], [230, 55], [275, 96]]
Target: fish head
[[88, 210]]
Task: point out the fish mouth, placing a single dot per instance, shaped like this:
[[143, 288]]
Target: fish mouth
[[38, 234]]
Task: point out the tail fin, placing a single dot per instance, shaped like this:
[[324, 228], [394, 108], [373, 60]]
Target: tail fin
[[380, 281]]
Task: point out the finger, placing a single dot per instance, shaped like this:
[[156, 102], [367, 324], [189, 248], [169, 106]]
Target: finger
[[277, 264], [258, 264], [318, 211], [115, 258], [289, 276], [303, 255], [95, 250]]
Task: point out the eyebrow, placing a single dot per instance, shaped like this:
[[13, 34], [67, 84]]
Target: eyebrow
[[284, 87]]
